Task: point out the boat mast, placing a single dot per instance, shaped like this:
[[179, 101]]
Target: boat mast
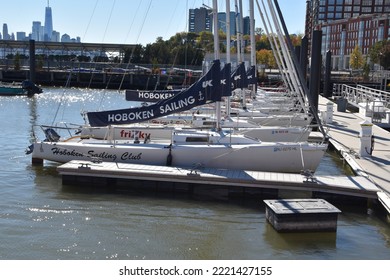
[[253, 42], [216, 57], [228, 60]]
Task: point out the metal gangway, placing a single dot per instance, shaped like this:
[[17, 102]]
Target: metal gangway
[[371, 102]]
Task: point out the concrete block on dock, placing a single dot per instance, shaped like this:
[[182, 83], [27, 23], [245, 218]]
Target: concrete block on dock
[[294, 215]]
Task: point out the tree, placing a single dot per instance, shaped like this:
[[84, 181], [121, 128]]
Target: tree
[[296, 40], [17, 62], [266, 58], [357, 60], [262, 43], [380, 53], [206, 41]]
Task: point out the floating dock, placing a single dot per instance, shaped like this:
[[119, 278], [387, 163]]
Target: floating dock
[[301, 215], [112, 174], [344, 131]]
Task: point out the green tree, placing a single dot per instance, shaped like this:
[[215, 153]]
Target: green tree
[[380, 53], [266, 58], [206, 41], [17, 62], [357, 60]]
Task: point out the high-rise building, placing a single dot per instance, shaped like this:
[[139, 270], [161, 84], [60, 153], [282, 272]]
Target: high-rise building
[[200, 19], [21, 36], [55, 36], [48, 23], [222, 22], [6, 36], [36, 31], [346, 24]]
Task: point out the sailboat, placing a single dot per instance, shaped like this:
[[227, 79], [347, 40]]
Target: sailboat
[[185, 148]]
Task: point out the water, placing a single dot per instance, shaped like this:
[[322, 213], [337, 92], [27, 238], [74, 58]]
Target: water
[[42, 219]]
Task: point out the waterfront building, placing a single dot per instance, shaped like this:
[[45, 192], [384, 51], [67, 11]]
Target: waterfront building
[[200, 19], [346, 24]]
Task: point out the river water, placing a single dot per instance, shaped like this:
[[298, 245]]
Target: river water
[[41, 219]]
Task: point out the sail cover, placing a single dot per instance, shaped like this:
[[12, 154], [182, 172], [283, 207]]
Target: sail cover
[[207, 89]]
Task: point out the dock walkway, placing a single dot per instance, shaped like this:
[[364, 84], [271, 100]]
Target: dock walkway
[[357, 186], [344, 136]]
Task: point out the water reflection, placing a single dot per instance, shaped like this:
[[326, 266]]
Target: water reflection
[[299, 241]]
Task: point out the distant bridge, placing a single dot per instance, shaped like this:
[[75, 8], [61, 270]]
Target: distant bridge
[[65, 48]]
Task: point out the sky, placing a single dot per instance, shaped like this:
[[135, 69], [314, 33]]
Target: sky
[[127, 21]]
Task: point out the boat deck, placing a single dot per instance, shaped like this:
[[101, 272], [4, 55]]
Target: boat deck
[[344, 136]]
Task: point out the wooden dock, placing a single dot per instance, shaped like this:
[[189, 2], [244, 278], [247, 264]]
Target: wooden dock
[[76, 172], [344, 137]]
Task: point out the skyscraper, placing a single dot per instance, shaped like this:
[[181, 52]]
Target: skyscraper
[[5, 32], [36, 31], [48, 23], [200, 20]]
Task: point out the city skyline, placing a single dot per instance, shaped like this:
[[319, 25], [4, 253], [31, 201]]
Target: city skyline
[[127, 22]]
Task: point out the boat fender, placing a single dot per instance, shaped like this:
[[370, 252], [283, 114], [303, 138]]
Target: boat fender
[[147, 139], [169, 157], [30, 149]]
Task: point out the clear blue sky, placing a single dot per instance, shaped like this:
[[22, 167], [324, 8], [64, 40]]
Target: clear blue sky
[[126, 21]]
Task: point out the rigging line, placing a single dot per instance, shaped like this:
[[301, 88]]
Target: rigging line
[[173, 14], [139, 34], [90, 19], [143, 22], [104, 35], [62, 97], [109, 19], [131, 25]]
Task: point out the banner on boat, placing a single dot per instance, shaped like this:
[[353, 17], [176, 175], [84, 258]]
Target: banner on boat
[[251, 76], [206, 90], [239, 77], [150, 96], [226, 81]]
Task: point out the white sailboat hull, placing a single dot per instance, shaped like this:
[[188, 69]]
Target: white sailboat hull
[[272, 157], [264, 134]]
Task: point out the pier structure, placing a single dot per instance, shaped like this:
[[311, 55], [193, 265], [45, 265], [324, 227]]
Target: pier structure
[[345, 135], [61, 68], [372, 103], [8, 47]]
